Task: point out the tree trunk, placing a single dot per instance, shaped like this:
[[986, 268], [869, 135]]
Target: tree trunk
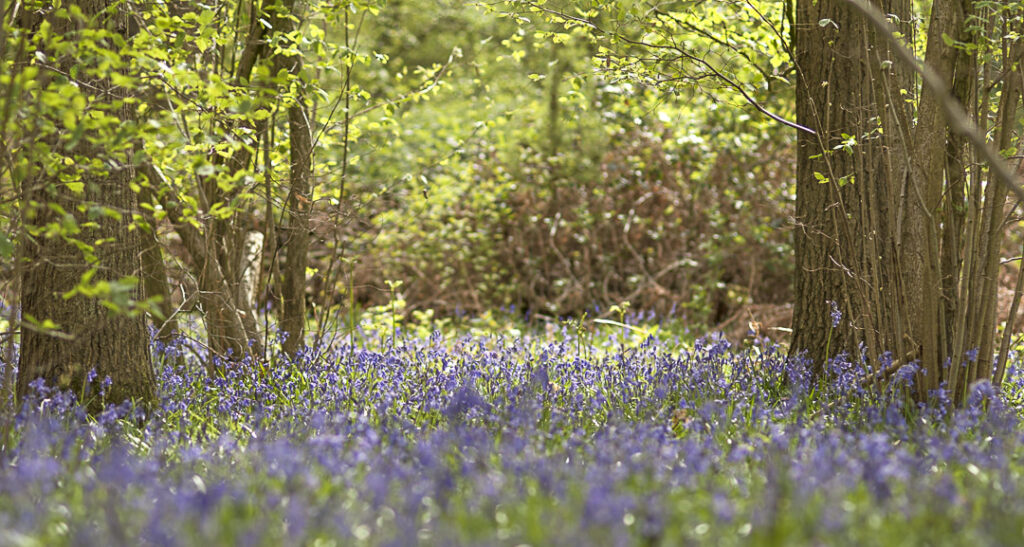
[[219, 249], [931, 293], [296, 232], [228, 328], [922, 259], [154, 273], [848, 177], [71, 230]]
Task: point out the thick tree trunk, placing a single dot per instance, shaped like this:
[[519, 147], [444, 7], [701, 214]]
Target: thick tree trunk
[[88, 335], [931, 292], [848, 177]]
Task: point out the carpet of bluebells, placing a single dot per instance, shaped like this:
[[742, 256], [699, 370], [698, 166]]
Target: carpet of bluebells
[[491, 440]]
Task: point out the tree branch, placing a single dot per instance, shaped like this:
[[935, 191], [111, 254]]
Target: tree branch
[[566, 18], [958, 120]]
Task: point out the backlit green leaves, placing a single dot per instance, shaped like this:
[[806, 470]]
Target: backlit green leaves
[[117, 295], [6, 246]]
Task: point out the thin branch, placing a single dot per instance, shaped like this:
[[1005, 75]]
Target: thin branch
[[708, 66], [959, 121]]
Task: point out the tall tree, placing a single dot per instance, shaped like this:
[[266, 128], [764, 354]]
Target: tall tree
[[849, 87], [893, 228], [79, 283], [293, 316]]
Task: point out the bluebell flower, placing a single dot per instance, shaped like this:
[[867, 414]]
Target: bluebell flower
[[836, 315]]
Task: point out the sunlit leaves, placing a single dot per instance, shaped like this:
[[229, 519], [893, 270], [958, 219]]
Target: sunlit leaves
[[684, 48], [6, 246], [117, 295]]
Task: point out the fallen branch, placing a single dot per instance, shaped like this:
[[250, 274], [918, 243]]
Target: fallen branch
[[888, 371]]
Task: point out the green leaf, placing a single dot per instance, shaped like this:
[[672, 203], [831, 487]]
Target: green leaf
[[6, 246], [206, 17]]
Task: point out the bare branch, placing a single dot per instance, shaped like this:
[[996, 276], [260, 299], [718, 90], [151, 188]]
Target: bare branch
[[958, 120]]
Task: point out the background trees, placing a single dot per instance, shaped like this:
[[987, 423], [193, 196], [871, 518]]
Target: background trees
[[552, 158]]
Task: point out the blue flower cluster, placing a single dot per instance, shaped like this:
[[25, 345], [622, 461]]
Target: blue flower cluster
[[487, 440]]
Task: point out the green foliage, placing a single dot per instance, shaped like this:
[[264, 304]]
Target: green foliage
[[528, 176], [487, 159]]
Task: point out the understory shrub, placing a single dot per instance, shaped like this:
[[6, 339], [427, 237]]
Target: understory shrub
[[662, 221]]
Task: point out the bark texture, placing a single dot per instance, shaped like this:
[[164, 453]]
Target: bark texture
[[910, 244], [848, 181], [88, 335]]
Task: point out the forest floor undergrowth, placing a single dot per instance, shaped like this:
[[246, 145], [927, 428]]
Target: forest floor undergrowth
[[551, 438]]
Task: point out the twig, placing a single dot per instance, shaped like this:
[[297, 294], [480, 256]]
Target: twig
[[886, 372], [958, 120]]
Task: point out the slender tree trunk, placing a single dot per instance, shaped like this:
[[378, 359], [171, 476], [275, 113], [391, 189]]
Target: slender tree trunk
[[559, 67], [299, 205], [955, 212], [293, 319], [154, 274], [219, 249], [995, 204], [229, 329], [88, 335], [921, 265]]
